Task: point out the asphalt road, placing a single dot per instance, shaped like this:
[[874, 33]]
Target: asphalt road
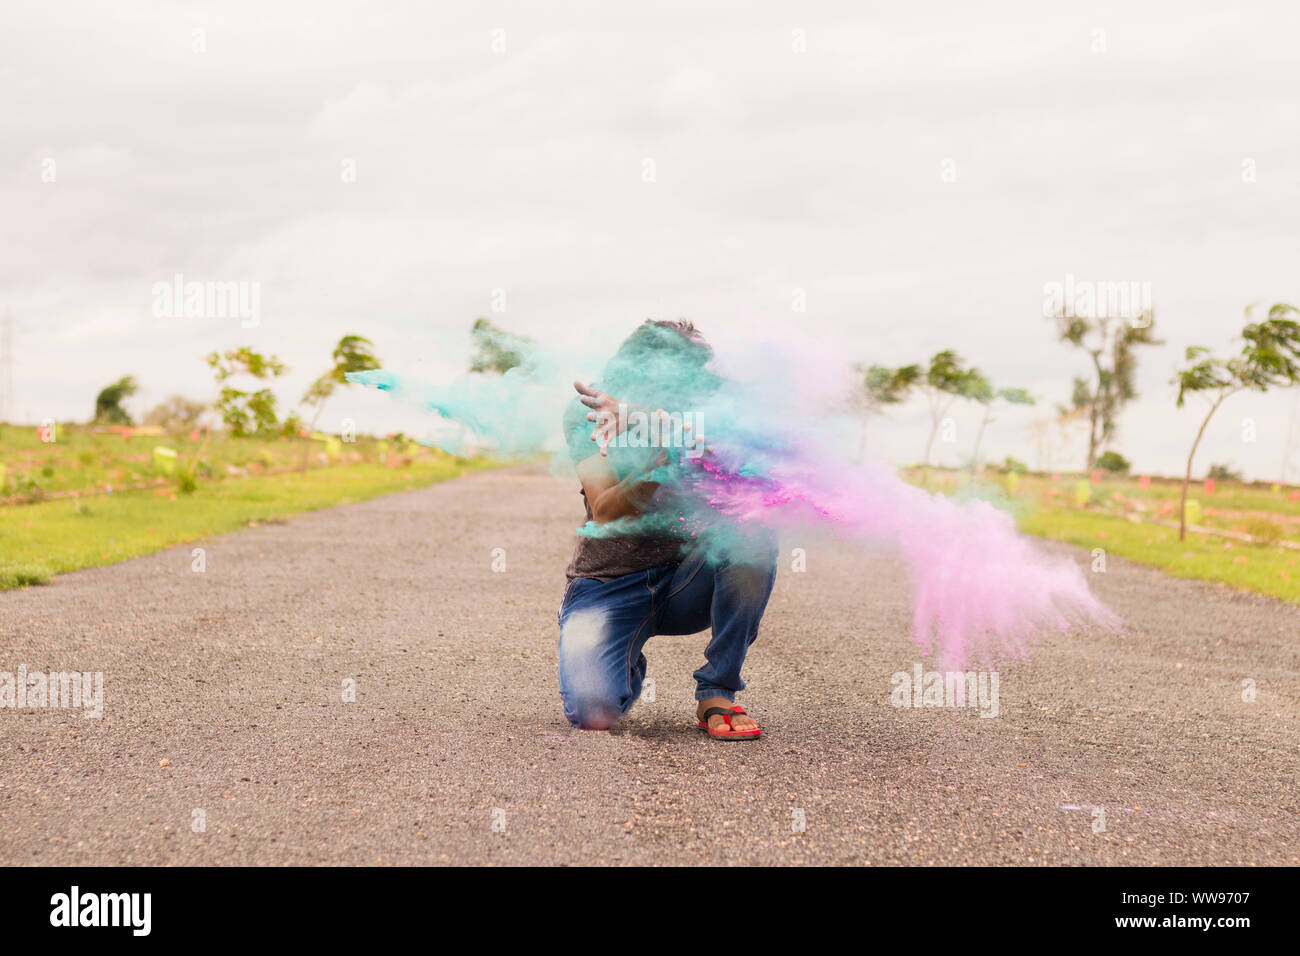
[[223, 703]]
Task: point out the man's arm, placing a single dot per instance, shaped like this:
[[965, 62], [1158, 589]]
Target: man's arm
[[611, 498]]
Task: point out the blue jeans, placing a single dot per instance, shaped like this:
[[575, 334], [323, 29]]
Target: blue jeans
[[605, 624]]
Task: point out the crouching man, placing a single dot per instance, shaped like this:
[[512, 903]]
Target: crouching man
[[624, 588]]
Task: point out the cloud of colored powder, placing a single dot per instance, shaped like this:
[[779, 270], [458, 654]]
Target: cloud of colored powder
[[777, 460]]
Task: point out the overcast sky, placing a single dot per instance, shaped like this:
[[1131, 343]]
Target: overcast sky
[[919, 171]]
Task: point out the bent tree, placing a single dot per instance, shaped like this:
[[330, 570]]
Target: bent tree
[[1270, 357], [879, 386], [985, 394], [945, 380], [495, 349], [354, 353], [108, 403]]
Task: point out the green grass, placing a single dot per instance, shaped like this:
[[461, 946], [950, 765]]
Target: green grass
[[40, 540], [1121, 517], [91, 458], [1266, 570], [1235, 496]]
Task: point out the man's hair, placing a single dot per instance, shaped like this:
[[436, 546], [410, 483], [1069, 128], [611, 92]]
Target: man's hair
[[663, 362], [684, 327]]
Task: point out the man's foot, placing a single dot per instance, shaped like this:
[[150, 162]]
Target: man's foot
[[716, 723]]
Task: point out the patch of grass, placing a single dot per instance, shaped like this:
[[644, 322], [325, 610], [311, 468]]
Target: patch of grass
[[86, 457], [1267, 570], [21, 576], [51, 537]]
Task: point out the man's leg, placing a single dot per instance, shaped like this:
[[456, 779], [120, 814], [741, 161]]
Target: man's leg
[[731, 597], [603, 626]]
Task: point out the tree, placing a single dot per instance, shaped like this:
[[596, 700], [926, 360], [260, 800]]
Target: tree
[[354, 353], [1110, 342], [246, 413], [108, 404], [176, 413], [880, 386], [945, 381], [496, 350], [983, 392], [1269, 357]]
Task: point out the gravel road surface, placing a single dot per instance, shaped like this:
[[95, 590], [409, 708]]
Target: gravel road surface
[[226, 739]]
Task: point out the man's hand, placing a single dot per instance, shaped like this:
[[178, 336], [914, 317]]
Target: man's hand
[[604, 413]]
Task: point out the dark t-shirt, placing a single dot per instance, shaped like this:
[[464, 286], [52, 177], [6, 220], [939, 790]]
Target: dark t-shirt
[[607, 558]]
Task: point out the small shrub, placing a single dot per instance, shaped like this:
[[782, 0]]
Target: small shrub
[[23, 575], [1265, 532], [1114, 462], [27, 487], [1224, 472], [186, 483]]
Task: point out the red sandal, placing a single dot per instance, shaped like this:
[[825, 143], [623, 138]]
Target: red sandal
[[726, 713]]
